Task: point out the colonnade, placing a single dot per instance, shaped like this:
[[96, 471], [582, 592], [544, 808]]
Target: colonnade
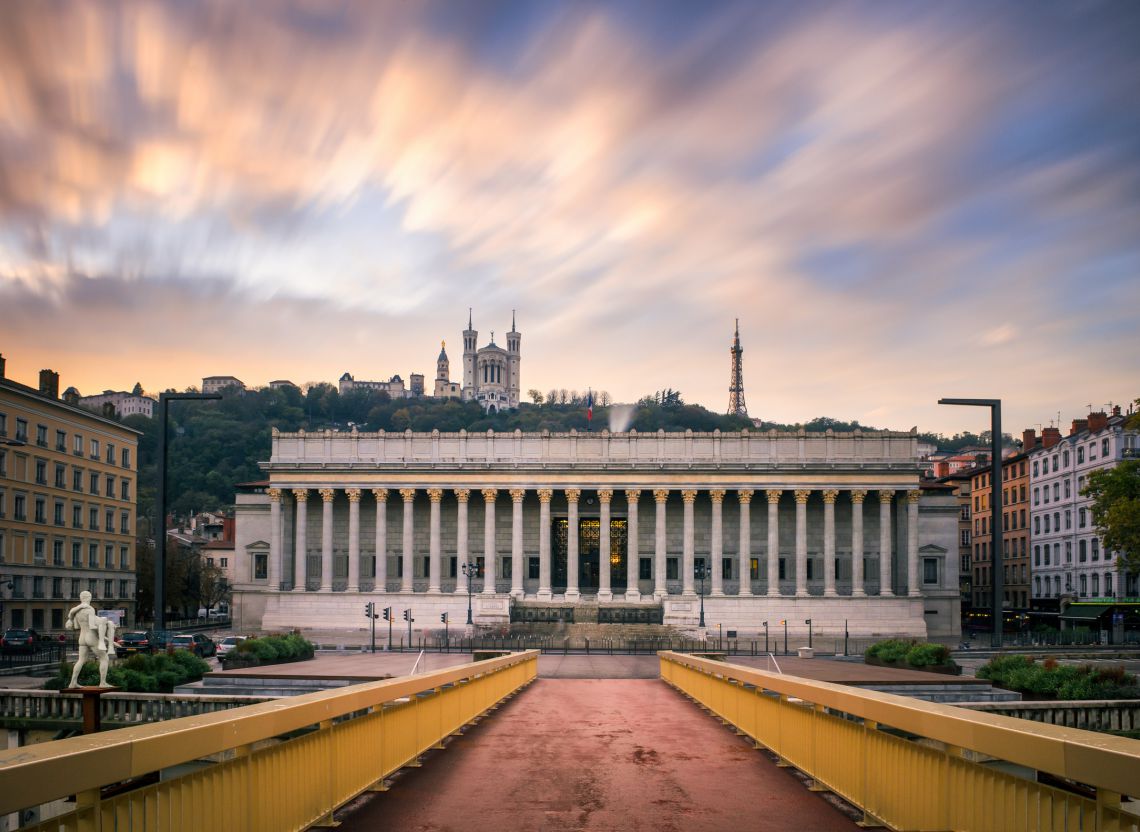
[[491, 497]]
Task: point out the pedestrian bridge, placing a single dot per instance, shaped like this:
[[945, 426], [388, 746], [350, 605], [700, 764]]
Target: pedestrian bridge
[[581, 754]]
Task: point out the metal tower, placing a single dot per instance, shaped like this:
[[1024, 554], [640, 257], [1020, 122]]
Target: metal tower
[[736, 405]]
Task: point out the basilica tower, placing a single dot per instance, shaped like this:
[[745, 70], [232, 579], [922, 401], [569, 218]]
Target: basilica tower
[[514, 356], [470, 337]]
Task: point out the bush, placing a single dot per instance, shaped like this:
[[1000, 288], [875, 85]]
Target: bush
[[926, 655], [141, 673], [1051, 680], [891, 650], [269, 650], [910, 653]]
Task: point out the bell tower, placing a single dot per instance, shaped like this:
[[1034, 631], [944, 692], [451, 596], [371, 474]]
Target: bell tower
[[470, 336], [514, 343]]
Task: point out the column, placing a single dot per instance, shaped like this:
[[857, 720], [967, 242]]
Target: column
[[885, 498], [716, 543], [633, 554], [517, 495], [381, 548], [660, 588], [544, 588], [689, 497], [605, 495], [773, 541], [489, 554], [435, 570], [300, 550], [406, 585], [829, 498], [572, 497], [353, 539], [802, 496], [744, 545], [326, 539], [913, 586], [857, 497], [276, 555], [462, 495]]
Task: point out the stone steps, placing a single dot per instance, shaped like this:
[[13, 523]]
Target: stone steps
[[949, 693]]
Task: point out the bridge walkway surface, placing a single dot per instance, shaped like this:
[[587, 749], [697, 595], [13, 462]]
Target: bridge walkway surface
[[596, 754]]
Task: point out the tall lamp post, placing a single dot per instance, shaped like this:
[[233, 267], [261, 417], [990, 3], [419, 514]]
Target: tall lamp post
[[702, 572], [160, 539], [471, 571], [997, 539]]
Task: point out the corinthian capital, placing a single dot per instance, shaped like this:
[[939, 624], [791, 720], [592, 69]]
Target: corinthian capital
[[381, 494], [773, 496], [545, 495], [435, 494], [409, 494], [517, 494], [913, 496], [573, 495], [353, 494], [689, 495], [802, 495], [886, 496], [632, 495], [661, 495], [857, 496], [830, 496], [490, 494], [463, 494], [301, 495], [274, 495], [327, 494], [605, 495], [717, 495]]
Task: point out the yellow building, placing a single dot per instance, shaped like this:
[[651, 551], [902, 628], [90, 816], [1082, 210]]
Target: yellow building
[[68, 486]]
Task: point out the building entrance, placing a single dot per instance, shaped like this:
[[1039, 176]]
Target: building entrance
[[589, 545]]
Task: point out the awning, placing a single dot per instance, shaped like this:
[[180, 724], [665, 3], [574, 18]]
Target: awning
[[1085, 612]]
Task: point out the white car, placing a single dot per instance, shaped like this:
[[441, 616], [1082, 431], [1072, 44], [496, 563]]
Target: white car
[[229, 643]]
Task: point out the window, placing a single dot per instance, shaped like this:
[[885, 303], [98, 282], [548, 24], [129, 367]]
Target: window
[[1068, 518], [3, 463], [1056, 521], [77, 445], [21, 430], [964, 537], [1096, 585], [41, 510], [38, 587], [1080, 455], [1095, 545], [76, 554], [930, 571], [125, 522], [126, 457], [125, 489], [94, 483], [260, 567], [1036, 496], [224, 562], [41, 435], [110, 518], [3, 424], [57, 553], [1035, 468], [726, 568], [1092, 451], [1084, 585], [57, 587], [41, 472], [1055, 461], [671, 570], [1068, 551], [124, 557], [20, 507], [93, 587], [1046, 524], [94, 448], [1037, 587], [61, 441], [58, 516], [110, 453], [77, 479], [1065, 459], [110, 489], [532, 568], [38, 551], [1036, 555], [60, 476], [108, 588], [1108, 593], [1081, 518], [1021, 491], [123, 588], [1067, 488], [77, 517], [645, 569], [109, 556], [754, 569], [1045, 494], [93, 518], [1082, 551], [93, 555]]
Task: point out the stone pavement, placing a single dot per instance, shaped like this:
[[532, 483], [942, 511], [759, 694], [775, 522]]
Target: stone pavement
[[596, 754]]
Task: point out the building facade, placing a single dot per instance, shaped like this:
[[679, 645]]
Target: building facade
[[125, 403], [216, 384], [1068, 558], [68, 484], [1014, 535], [796, 526], [491, 373]]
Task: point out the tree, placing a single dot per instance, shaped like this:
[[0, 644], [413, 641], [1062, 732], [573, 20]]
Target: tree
[[213, 587], [535, 395], [1116, 510], [137, 390]]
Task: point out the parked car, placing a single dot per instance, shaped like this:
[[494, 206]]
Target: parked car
[[161, 639], [135, 641], [21, 640], [198, 644], [228, 644]]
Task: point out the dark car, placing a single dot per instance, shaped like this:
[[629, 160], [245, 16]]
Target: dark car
[[21, 640], [198, 644], [134, 641], [161, 638]]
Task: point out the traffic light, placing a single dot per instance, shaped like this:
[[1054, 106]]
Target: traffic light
[[407, 615], [368, 609], [443, 617], [387, 613]]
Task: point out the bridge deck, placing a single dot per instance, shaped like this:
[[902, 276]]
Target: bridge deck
[[588, 754]]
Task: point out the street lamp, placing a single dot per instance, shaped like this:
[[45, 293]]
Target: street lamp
[[470, 570], [997, 539], [702, 572], [808, 622], [766, 637], [160, 540]]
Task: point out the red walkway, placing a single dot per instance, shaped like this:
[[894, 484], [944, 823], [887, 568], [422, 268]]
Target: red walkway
[[597, 754]]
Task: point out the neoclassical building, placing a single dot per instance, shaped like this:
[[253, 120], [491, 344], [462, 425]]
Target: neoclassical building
[[837, 528]]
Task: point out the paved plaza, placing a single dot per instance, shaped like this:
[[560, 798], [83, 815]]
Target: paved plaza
[[589, 754]]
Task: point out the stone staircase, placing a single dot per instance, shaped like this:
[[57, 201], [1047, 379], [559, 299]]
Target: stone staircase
[[577, 635], [222, 685]]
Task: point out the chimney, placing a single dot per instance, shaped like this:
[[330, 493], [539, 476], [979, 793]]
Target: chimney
[[1028, 440], [49, 384], [1098, 421], [1050, 437], [1078, 426], [1115, 408]]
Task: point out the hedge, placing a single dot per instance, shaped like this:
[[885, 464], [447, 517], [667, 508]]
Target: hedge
[[141, 673], [269, 650], [910, 653], [1050, 680]]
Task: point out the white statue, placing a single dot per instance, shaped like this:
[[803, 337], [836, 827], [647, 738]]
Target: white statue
[[95, 634]]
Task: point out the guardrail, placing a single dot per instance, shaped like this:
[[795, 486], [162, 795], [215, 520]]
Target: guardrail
[[285, 764], [46, 706], [916, 765], [1087, 714]]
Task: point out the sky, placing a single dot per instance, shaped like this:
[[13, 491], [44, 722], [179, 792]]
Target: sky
[[898, 201]]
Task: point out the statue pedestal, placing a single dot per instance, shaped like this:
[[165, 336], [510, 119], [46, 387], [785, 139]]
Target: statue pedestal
[[91, 709]]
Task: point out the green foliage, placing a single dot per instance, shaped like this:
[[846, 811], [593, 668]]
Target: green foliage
[[928, 655], [141, 673], [1116, 509], [910, 653], [1050, 680], [891, 650], [269, 650]]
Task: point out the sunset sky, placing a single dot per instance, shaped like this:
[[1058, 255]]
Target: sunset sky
[[900, 201]]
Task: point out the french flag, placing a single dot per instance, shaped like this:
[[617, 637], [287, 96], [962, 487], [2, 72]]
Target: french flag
[[590, 406]]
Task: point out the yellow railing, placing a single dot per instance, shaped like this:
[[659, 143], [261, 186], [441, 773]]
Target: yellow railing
[[914, 765], [279, 765]]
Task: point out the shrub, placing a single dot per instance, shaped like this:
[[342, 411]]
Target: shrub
[[158, 673], [891, 650], [269, 650], [926, 655], [1057, 681]]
